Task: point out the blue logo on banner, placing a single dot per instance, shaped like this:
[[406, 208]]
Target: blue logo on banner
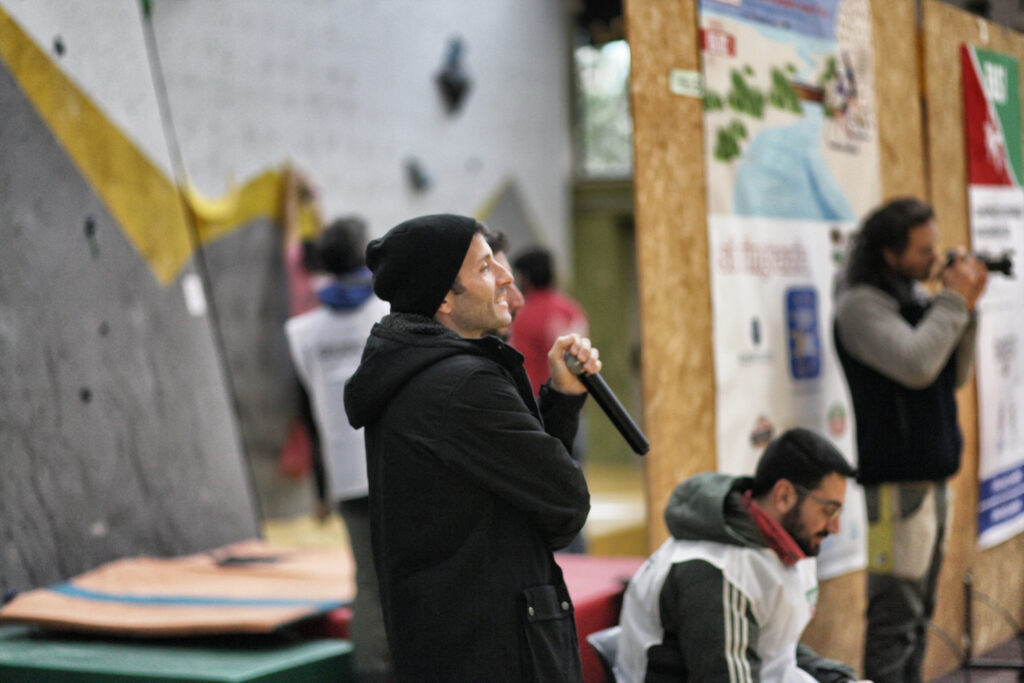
[[804, 342], [1001, 499]]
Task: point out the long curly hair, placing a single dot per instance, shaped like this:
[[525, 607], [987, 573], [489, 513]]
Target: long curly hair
[[887, 227]]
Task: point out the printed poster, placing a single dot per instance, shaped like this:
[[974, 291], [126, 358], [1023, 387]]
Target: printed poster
[[792, 164], [996, 200]]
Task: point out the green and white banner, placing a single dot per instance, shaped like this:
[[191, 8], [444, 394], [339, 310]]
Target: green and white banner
[[993, 135]]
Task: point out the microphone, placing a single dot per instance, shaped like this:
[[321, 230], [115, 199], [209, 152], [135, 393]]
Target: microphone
[[602, 393]]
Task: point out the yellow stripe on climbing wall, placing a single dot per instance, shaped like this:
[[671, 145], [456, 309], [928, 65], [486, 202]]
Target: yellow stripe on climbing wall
[[138, 194], [215, 218]]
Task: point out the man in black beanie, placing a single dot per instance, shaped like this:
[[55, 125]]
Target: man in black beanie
[[471, 483]]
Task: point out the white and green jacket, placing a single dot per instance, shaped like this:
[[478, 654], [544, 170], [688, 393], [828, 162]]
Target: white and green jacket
[[715, 603]]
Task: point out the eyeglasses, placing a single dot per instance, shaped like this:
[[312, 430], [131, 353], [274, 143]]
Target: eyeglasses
[[832, 507]]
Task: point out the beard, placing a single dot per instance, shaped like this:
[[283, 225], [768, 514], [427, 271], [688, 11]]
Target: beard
[[794, 526]]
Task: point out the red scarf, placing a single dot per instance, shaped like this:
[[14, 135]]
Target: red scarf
[[778, 538]]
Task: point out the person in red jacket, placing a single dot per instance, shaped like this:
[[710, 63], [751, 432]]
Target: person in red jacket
[[546, 315]]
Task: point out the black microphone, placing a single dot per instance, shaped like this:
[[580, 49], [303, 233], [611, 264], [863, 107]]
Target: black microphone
[[602, 393]]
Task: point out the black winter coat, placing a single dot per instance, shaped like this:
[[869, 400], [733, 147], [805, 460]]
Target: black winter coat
[[470, 492]]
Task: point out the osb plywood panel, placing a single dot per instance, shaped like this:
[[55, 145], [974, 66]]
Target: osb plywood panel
[[916, 159], [837, 629], [997, 571], [897, 94], [672, 248]]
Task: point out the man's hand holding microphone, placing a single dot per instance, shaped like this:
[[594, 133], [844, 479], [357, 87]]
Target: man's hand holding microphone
[[575, 369]]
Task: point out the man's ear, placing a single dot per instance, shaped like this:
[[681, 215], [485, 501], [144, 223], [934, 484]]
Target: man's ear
[[892, 259], [784, 496], [446, 304]]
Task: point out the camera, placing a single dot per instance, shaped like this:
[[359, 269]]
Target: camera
[[999, 264]]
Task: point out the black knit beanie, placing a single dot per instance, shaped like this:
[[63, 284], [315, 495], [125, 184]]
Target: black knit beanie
[[416, 262]]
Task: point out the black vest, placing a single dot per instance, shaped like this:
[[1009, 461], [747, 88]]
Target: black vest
[[903, 434]]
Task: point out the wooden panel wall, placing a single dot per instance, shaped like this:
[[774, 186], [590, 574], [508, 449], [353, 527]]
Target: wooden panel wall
[[898, 94], [672, 249], [921, 143], [998, 572]]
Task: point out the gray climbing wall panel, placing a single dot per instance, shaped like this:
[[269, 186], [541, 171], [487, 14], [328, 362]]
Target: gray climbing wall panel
[[250, 293], [116, 431]]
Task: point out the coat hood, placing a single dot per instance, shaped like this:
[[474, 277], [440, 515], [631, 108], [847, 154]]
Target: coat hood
[[709, 507], [400, 346]]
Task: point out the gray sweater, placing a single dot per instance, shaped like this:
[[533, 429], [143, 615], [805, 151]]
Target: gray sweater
[[869, 325]]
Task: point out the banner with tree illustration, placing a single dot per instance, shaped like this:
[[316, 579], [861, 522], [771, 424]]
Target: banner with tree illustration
[[792, 164]]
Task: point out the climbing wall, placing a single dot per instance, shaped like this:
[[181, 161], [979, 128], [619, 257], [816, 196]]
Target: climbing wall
[[144, 380], [116, 434]]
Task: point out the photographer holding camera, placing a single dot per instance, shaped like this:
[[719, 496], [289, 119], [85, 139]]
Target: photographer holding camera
[[904, 353]]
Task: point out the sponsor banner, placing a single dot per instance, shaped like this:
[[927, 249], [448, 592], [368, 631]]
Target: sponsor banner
[[997, 228], [996, 200], [775, 364], [792, 163], [1002, 506]]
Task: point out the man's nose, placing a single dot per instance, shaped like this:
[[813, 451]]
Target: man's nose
[[504, 276], [833, 525], [514, 296]]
